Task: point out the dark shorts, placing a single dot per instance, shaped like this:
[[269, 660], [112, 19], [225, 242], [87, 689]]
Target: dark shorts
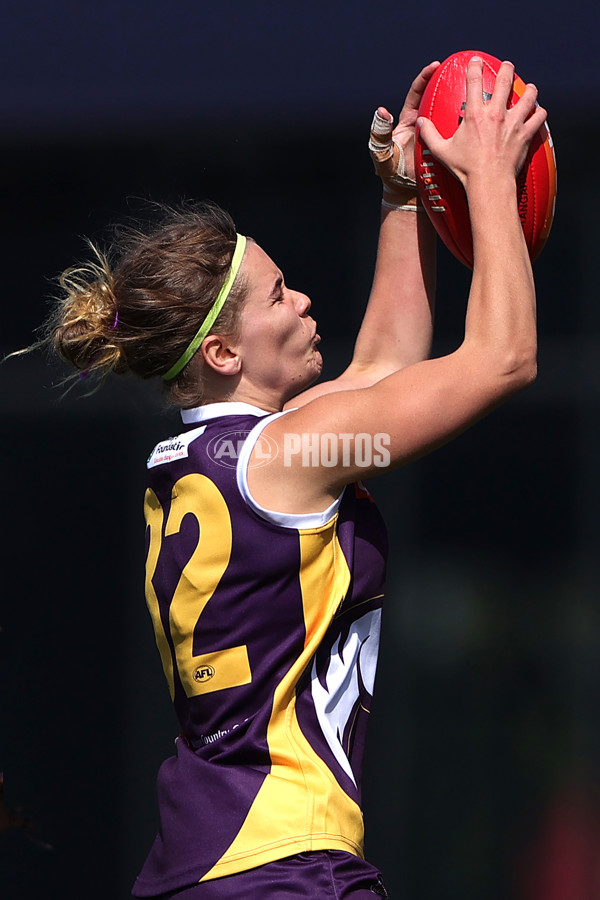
[[322, 875]]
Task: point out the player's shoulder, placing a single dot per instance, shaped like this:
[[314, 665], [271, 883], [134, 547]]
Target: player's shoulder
[[212, 441]]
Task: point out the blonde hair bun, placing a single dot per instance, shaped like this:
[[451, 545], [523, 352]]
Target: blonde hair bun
[[83, 329]]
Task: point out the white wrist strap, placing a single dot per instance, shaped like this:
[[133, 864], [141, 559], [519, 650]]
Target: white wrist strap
[[410, 207]]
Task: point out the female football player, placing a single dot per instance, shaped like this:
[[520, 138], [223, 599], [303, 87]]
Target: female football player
[[266, 555]]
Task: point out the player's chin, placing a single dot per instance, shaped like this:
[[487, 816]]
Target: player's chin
[[314, 369]]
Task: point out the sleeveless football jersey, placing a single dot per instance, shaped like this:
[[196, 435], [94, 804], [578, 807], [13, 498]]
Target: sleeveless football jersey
[[268, 628]]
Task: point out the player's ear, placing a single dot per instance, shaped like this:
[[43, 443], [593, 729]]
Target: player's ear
[[221, 354]]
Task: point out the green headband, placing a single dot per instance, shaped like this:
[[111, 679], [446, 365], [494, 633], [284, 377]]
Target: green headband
[[213, 312]]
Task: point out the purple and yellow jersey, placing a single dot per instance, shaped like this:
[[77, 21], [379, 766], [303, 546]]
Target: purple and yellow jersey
[[268, 629]]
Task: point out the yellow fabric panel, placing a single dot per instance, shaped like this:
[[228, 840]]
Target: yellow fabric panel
[[154, 514], [300, 806], [324, 573], [221, 669]]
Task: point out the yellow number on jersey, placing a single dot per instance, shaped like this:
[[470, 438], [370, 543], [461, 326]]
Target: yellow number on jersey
[[198, 496]]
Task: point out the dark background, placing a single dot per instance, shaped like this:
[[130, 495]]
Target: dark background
[[483, 763]]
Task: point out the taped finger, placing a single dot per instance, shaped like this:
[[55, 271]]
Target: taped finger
[[380, 141]]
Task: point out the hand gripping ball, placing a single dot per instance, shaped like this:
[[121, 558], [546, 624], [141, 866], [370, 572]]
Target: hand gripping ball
[[443, 195]]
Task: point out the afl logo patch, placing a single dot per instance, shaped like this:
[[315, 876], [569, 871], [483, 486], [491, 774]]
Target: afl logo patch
[[203, 673]]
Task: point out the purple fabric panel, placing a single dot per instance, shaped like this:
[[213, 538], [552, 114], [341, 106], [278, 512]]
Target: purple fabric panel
[[201, 810], [363, 538], [327, 875]]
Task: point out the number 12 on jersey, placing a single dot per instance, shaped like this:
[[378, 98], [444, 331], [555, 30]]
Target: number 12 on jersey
[[198, 496]]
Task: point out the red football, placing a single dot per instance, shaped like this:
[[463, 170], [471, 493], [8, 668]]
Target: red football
[[443, 195]]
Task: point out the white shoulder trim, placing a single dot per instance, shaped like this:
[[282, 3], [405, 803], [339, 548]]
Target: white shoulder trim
[[217, 410], [287, 520]]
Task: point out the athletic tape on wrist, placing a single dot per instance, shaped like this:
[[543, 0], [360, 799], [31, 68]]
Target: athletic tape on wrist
[[411, 207]]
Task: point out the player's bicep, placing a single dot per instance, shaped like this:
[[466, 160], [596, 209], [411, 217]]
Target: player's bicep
[[412, 411]]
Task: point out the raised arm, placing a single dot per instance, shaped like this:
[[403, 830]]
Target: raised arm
[[427, 404], [397, 326]]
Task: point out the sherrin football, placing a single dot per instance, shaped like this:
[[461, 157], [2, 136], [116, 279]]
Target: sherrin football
[[443, 195]]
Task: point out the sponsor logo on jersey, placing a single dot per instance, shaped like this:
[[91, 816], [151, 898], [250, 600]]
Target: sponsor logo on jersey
[[221, 732], [173, 448]]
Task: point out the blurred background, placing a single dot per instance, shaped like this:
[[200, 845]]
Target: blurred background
[[482, 775]]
